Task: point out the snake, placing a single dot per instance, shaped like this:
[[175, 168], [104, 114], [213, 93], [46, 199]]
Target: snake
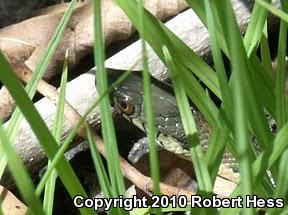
[[128, 100]]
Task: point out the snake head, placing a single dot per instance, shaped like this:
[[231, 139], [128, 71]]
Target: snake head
[[127, 98]]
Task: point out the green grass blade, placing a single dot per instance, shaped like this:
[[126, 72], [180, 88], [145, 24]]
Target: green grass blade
[[199, 96], [41, 131], [101, 172], [282, 182], [239, 90], [281, 14], [24, 183], [262, 80], [197, 157], [153, 37], [217, 58], [252, 84], [108, 131], [265, 51], [221, 133], [63, 148], [281, 111], [281, 107], [48, 200], [149, 113], [59, 118], [36, 77], [216, 150], [255, 28], [1, 211], [99, 166], [158, 32], [265, 94], [189, 125], [242, 141], [284, 211], [264, 161], [284, 4]]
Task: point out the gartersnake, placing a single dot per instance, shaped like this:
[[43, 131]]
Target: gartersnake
[[128, 99]]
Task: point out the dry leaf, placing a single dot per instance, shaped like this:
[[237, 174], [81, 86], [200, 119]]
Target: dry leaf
[[26, 41], [10, 204]]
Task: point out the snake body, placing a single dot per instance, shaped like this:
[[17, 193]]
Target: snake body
[[128, 100]]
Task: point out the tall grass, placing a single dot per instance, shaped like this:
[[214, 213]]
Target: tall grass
[[149, 112], [40, 69], [57, 131], [246, 96]]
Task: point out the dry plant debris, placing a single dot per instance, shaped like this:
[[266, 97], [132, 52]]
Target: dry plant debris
[[26, 41]]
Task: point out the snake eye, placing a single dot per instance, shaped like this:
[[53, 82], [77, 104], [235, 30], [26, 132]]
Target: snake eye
[[126, 105]]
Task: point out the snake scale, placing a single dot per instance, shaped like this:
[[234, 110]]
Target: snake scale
[[128, 99]]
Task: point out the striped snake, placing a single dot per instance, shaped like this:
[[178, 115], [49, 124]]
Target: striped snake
[[128, 99]]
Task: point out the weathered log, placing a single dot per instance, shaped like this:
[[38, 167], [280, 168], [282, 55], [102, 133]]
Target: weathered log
[[81, 93], [188, 27]]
